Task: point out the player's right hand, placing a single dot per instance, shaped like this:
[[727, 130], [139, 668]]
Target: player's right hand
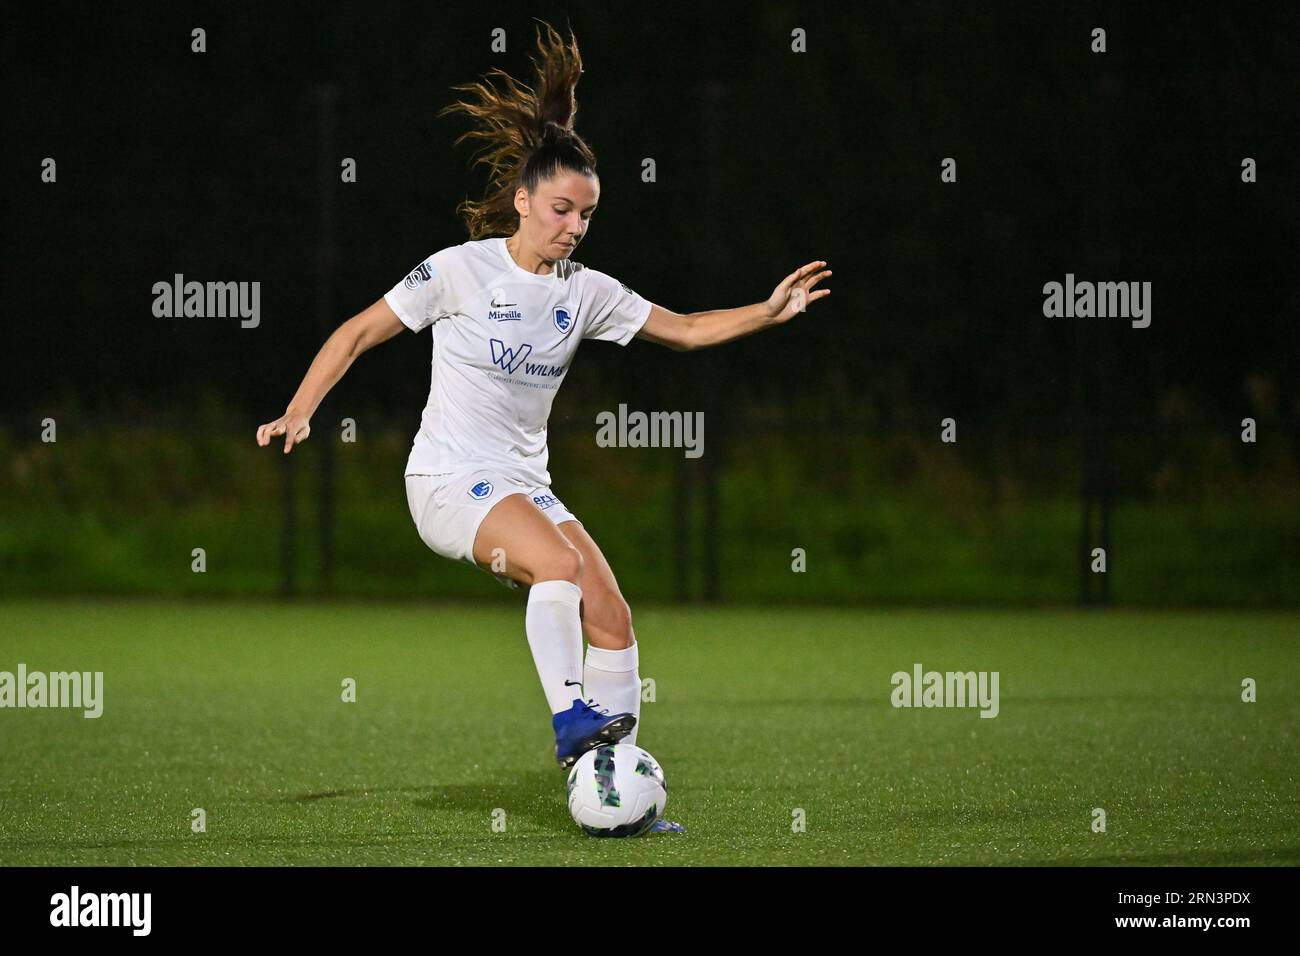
[[293, 426]]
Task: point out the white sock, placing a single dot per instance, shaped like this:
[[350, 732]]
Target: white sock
[[611, 678], [555, 637]]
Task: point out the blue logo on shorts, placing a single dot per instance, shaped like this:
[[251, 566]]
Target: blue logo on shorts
[[481, 490], [563, 321], [545, 501]]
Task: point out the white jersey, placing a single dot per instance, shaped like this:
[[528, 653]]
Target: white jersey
[[503, 339]]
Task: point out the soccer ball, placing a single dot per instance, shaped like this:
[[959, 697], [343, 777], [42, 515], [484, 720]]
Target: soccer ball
[[616, 790]]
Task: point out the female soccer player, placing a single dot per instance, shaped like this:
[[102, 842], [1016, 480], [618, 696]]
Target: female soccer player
[[506, 316]]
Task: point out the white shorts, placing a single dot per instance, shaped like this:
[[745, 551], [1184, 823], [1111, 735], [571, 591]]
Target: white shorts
[[447, 509]]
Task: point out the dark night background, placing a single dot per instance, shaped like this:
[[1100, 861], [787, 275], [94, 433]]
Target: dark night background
[[822, 434]]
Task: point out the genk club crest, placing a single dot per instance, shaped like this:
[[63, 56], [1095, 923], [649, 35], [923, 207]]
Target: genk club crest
[[562, 319]]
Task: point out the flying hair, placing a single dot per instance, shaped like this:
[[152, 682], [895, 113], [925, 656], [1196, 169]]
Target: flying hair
[[525, 134]]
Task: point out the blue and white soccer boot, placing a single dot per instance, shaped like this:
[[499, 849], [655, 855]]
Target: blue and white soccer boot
[[582, 727], [666, 826]]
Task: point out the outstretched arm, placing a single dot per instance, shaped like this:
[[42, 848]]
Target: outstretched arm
[[701, 329], [359, 333]]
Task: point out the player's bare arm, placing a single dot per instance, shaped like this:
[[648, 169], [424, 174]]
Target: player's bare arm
[[363, 331], [699, 330]]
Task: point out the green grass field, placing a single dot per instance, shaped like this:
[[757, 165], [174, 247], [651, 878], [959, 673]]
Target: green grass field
[[235, 708]]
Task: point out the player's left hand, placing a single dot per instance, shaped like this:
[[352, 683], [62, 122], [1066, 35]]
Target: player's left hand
[[795, 294]]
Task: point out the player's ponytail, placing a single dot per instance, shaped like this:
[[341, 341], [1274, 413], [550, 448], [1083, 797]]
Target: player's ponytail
[[526, 135]]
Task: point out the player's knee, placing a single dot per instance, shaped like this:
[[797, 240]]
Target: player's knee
[[562, 564]]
